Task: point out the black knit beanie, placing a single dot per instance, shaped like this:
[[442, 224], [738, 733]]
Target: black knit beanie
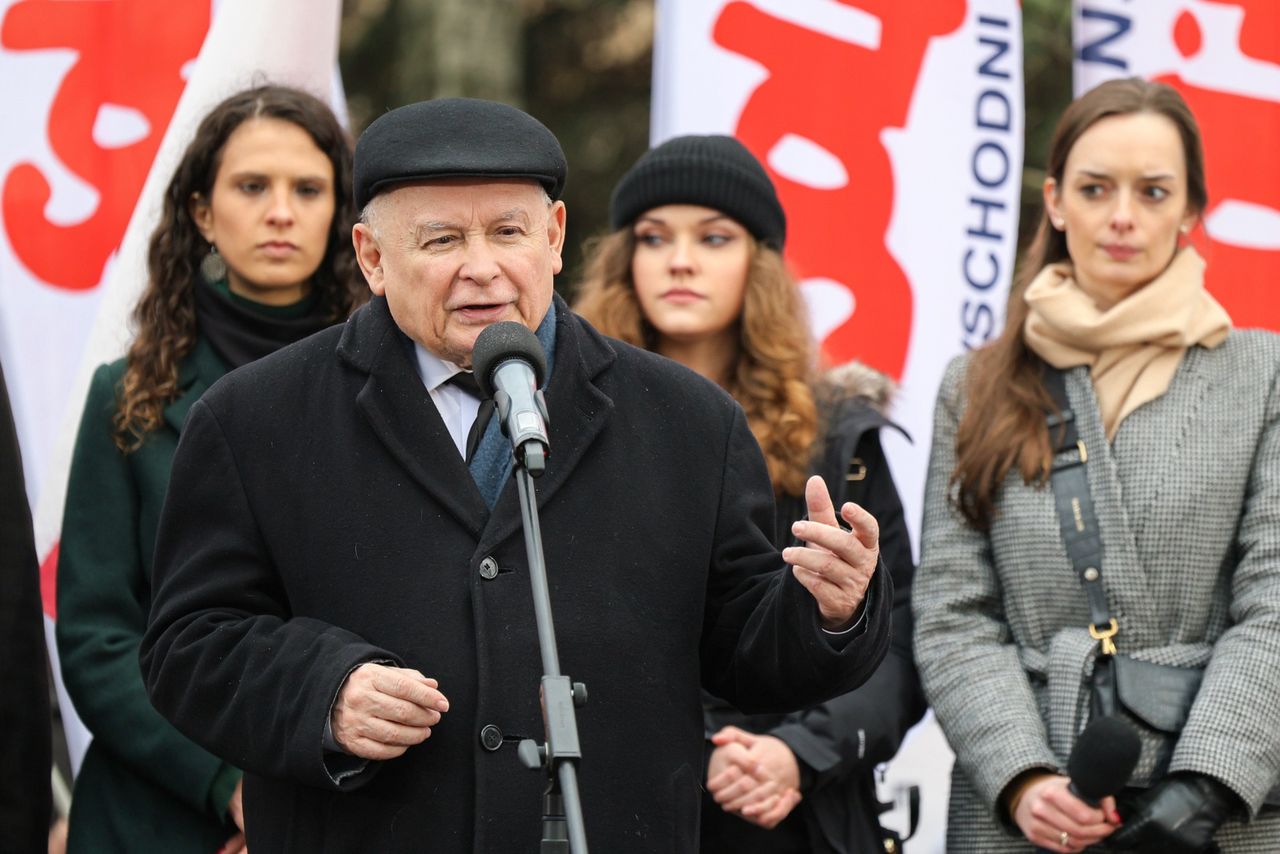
[[713, 171]]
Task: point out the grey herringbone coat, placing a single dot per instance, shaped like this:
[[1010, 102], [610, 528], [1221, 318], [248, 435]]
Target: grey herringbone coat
[[1188, 501]]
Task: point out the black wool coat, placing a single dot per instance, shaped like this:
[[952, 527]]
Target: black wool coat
[[319, 516], [25, 751]]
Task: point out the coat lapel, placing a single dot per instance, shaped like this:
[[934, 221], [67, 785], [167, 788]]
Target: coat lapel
[[579, 410], [197, 372], [1154, 434], [399, 410], [1123, 501]]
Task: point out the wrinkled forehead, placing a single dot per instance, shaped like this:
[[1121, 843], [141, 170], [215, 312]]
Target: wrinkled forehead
[[455, 200], [488, 197]]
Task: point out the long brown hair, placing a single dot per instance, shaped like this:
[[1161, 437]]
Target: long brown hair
[[773, 377], [1004, 423], [165, 316]]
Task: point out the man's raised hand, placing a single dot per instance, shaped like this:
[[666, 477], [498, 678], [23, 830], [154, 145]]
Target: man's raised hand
[[834, 565]]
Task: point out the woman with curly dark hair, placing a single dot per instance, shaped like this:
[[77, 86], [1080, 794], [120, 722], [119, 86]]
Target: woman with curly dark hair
[[694, 271], [253, 252]]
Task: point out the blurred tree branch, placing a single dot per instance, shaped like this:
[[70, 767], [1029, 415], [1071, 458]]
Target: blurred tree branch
[[1047, 53], [583, 67]]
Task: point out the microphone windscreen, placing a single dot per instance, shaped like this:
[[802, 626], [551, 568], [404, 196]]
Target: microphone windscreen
[[1103, 757], [500, 342]]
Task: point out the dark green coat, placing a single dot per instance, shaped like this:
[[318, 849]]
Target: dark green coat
[[143, 786]]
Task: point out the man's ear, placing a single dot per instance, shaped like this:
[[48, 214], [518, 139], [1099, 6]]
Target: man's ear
[[201, 215], [369, 256], [556, 218]]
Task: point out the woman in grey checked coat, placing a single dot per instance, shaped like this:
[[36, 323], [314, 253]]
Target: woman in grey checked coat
[[1180, 418]]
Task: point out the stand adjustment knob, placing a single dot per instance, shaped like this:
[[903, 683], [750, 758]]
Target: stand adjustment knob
[[532, 755], [579, 694]]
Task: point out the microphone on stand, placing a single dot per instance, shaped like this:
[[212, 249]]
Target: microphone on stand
[[509, 365]]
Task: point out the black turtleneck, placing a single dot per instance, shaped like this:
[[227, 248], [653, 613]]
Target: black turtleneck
[[241, 330]]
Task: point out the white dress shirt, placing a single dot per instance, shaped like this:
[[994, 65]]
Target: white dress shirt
[[457, 408]]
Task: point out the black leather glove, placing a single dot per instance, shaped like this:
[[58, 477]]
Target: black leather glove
[[1178, 815]]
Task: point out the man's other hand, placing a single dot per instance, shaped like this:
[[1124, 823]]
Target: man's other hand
[[383, 711], [835, 565]]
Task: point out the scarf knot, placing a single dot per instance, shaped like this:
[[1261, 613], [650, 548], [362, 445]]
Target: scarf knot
[[1132, 348]]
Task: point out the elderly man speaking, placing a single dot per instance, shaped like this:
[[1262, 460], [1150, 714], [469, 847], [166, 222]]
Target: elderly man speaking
[[342, 600]]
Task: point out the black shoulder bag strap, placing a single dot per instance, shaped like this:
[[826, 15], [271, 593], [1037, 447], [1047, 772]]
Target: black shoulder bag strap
[[1080, 533]]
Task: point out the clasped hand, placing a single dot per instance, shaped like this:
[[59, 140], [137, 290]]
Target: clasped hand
[[235, 812], [753, 776], [834, 565]]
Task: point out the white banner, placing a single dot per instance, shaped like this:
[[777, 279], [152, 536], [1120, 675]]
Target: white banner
[[893, 132], [88, 90], [1224, 58], [103, 97]]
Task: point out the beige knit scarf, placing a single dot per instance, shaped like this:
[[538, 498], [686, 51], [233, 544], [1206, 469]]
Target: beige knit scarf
[[1132, 348]]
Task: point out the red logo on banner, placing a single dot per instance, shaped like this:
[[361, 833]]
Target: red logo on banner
[[1240, 135], [840, 233], [130, 57]]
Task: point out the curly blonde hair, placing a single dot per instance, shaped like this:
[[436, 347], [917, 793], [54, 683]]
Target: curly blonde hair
[[773, 379]]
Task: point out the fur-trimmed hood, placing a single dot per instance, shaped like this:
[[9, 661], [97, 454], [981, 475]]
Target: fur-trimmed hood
[[854, 379]]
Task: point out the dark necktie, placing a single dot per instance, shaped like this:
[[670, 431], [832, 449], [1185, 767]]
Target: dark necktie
[[466, 381]]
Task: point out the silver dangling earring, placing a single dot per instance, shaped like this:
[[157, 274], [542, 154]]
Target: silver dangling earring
[[212, 268]]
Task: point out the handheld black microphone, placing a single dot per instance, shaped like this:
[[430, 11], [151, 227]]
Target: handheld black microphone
[[509, 365], [1102, 760]]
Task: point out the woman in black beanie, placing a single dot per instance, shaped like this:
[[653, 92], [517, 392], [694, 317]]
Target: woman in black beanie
[[694, 271]]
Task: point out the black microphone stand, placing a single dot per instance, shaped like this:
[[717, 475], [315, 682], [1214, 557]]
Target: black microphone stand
[[563, 830]]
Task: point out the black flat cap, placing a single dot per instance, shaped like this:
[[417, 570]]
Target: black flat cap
[[456, 138]]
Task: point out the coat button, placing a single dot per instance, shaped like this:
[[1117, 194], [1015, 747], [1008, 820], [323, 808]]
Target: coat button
[[490, 737], [488, 569]]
